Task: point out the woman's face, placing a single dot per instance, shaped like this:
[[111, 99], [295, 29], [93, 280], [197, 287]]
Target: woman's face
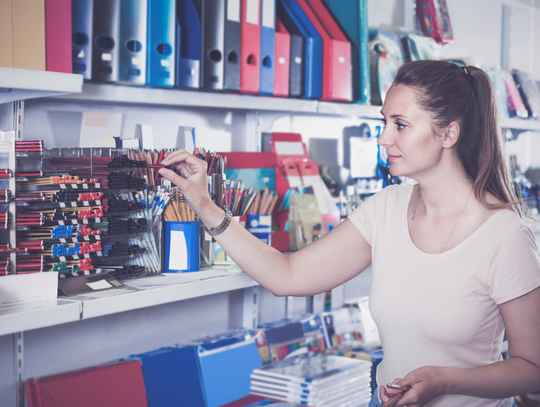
[[413, 149]]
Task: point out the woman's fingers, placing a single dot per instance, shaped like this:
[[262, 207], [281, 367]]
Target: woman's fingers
[[176, 179]]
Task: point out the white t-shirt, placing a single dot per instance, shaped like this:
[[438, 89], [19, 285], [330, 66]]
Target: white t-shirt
[[442, 309]]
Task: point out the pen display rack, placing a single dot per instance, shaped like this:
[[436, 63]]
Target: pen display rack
[[82, 211]]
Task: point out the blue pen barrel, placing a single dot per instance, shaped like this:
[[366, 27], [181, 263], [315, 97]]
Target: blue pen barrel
[[181, 249], [260, 226]]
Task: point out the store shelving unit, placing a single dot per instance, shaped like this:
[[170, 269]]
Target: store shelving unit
[[16, 86]]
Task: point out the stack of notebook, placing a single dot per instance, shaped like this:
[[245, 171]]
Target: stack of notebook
[[315, 380]]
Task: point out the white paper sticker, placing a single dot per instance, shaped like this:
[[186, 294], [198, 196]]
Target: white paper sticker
[[178, 255], [85, 186], [135, 61], [76, 256], [106, 56], [80, 54], [99, 285], [62, 204], [62, 186], [298, 60], [268, 13], [86, 203], [73, 204], [62, 240], [86, 238], [289, 148], [282, 60], [98, 202], [342, 60], [61, 222], [165, 63], [233, 10], [252, 12]]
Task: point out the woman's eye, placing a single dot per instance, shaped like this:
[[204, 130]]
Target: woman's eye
[[400, 126]]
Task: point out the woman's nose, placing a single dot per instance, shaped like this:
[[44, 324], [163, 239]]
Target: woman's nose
[[384, 139]]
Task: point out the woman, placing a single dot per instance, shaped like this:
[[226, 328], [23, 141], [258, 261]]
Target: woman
[[453, 264]]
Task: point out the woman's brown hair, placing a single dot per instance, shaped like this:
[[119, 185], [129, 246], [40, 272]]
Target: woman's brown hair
[[467, 96]]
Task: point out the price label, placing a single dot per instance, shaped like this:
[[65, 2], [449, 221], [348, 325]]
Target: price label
[[73, 204], [76, 256], [62, 258], [86, 203], [86, 238], [63, 186], [85, 186], [61, 223], [74, 186], [62, 204], [98, 202], [62, 240]]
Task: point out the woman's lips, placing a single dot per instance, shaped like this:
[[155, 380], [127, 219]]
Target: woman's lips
[[393, 157]]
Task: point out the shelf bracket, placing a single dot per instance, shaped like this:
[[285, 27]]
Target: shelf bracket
[[18, 342], [250, 318], [289, 307]]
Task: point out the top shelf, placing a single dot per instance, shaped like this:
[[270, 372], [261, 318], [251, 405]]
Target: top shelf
[[143, 96], [23, 84]]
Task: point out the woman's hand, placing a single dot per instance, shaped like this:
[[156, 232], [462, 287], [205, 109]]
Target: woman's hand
[[422, 385], [192, 183]]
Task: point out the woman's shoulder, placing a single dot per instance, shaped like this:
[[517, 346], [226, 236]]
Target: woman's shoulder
[[505, 223], [395, 194]]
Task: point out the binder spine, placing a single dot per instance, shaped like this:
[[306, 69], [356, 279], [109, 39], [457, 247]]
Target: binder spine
[[57, 36], [232, 50], [268, 27], [132, 42], [82, 37], [251, 47], [161, 38], [188, 45], [213, 40], [105, 40]]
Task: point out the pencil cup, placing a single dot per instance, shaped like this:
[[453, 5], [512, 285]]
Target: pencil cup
[[260, 226], [181, 247]]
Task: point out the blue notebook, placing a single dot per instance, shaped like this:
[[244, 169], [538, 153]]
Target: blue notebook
[[132, 58], [226, 365], [351, 15], [161, 43], [81, 23], [172, 377], [268, 40], [188, 43], [291, 12]]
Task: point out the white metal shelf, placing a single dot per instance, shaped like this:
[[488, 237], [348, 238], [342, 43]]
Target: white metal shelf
[[118, 94], [159, 290], [522, 124], [23, 84]]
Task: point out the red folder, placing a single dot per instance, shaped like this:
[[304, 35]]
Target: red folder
[[337, 79], [282, 60], [250, 46], [115, 385], [58, 36]]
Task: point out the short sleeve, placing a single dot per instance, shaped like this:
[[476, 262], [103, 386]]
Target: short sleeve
[[515, 266], [364, 217]]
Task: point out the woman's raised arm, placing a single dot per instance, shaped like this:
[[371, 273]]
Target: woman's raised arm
[[322, 265]]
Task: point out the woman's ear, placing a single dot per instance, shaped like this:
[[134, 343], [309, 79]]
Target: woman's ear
[[451, 135]]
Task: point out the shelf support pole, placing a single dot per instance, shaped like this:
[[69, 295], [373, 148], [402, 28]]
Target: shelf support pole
[[18, 342], [250, 318]]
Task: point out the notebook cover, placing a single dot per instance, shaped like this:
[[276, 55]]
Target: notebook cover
[[226, 366], [58, 35], [115, 385], [6, 34], [171, 375], [29, 34], [132, 43], [82, 12]]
